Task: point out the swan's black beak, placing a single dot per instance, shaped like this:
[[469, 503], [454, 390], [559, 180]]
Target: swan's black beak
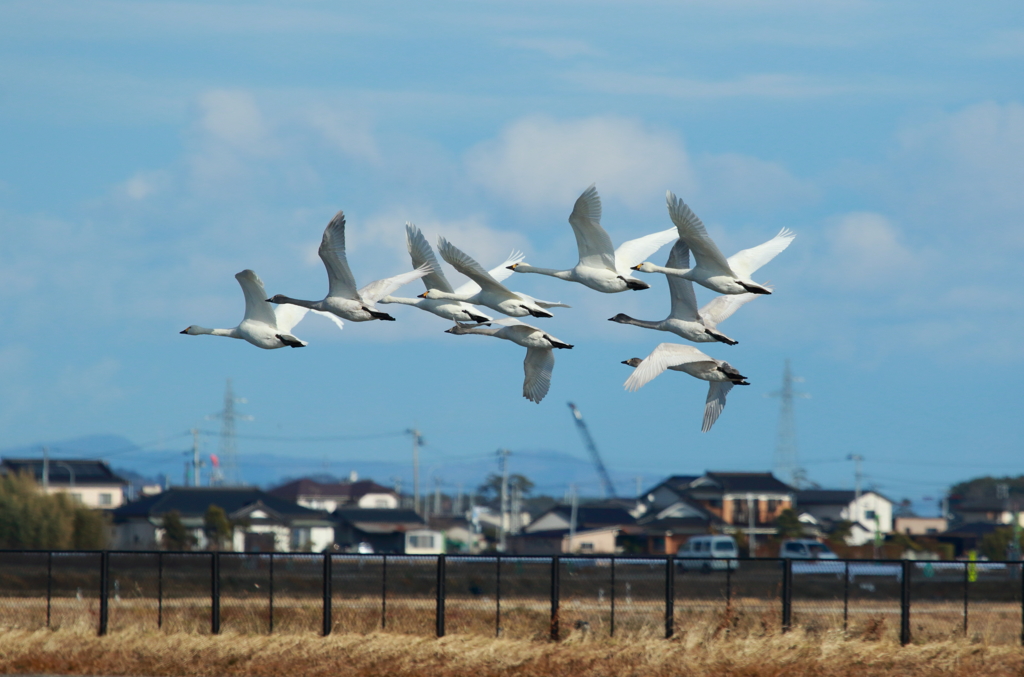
[[183, 331], [423, 295], [624, 362], [636, 267], [512, 267]]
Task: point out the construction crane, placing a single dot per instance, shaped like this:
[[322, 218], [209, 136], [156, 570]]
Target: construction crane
[[609, 488]]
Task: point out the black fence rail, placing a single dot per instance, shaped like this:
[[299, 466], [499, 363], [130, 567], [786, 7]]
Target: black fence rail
[[538, 597]]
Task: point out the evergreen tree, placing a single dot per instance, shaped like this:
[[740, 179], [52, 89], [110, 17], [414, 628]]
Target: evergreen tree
[[216, 526], [789, 524], [32, 519], [176, 536]]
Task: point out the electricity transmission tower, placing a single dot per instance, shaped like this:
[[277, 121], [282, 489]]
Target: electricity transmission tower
[[787, 467], [228, 449]]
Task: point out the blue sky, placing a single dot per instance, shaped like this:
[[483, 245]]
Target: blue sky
[[150, 150]]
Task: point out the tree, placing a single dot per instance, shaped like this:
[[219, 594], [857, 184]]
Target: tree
[[789, 524], [490, 490], [32, 519], [176, 536], [996, 545], [841, 531], [905, 508], [216, 526]]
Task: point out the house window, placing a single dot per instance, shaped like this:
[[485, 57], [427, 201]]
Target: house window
[[421, 541], [106, 499], [77, 498], [772, 505], [869, 515], [381, 503], [586, 547]]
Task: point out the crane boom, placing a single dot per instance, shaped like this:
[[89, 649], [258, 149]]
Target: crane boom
[[609, 488]]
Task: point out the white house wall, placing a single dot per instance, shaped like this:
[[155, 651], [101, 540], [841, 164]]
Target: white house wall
[[389, 501]]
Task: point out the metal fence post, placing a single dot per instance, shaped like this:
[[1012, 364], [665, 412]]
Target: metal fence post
[[215, 593], [846, 594], [328, 594], [611, 631], [966, 576], [104, 590], [49, 584], [787, 594], [728, 585], [159, 590], [670, 596], [497, 596], [905, 604], [270, 592], [384, 592], [439, 613], [555, 564]]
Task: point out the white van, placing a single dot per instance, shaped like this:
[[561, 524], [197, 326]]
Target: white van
[[709, 553], [805, 548]]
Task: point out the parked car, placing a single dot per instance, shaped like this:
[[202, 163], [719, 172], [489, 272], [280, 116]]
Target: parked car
[[709, 553], [805, 548]]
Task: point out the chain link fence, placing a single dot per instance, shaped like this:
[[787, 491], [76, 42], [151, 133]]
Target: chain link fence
[[530, 597]]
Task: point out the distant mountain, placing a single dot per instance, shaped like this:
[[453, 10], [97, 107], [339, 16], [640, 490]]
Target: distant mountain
[[551, 471]]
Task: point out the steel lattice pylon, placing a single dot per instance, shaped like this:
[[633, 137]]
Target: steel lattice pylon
[[787, 465]]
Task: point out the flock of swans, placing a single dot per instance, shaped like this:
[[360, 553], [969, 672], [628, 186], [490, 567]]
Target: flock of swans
[[601, 267]]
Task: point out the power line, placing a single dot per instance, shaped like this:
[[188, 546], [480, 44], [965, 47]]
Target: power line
[[322, 438]]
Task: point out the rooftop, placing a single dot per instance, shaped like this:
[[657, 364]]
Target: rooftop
[[61, 471]]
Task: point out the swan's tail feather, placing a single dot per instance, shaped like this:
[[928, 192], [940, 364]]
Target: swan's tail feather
[[377, 315], [291, 341], [720, 337]]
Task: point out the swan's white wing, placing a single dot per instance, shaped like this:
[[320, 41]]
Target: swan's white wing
[[499, 273], [661, 358], [538, 365], [542, 304], [377, 290], [720, 308], [715, 403], [256, 305], [635, 252], [332, 253], [692, 231], [466, 265], [422, 255], [595, 247], [744, 263], [684, 301], [288, 315], [330, 316]]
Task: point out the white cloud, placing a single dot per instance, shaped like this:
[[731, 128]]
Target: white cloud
[[867, 251], [764, 85], [734, 181], [232, 117], [540, 162], [558, 48]]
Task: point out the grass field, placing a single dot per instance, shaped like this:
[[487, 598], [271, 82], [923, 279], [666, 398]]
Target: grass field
[[704, 652]]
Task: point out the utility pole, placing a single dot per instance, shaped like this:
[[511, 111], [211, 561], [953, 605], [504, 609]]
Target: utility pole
[[573, 514], [46, 470], [437, 495], [417, 440], [195, 457], [503, 459], [457, 508], [639, 484], [857, 460], [751, 524]]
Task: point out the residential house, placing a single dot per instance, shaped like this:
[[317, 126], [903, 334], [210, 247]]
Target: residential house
[[921, 526], [869, 513], [91, 483], [384, 529], [668, 528], [330, 497], [260, 522], [598, 529]]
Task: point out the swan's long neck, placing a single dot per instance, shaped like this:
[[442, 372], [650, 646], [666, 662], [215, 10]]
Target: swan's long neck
[[486, 331], [678, 272], [312, 305], [232, 333], [560, 274], [403, 301], [626, 319], [438, 294]]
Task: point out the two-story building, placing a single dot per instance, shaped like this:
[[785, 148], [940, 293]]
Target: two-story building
[[91, 483], [330, 497], [870, 512]]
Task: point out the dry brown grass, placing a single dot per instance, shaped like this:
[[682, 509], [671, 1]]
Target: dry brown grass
[[77, 651]]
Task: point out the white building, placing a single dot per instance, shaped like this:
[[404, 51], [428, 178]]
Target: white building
[[870, 513], [352, 494], [88, 482]]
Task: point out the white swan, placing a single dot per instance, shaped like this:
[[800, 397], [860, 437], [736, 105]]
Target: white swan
[[492, 293], [684, 320], [263, 325], [713, 270], [540, 360], [343, 299], [600, 266], [457, 311], [722, 375]]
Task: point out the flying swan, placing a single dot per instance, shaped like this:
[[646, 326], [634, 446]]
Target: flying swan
[[600, 266], [457, 311], [343, 299], [492, 293], [263, 325], [684, 320], [540, 360], [722, 375], [713, 270]]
